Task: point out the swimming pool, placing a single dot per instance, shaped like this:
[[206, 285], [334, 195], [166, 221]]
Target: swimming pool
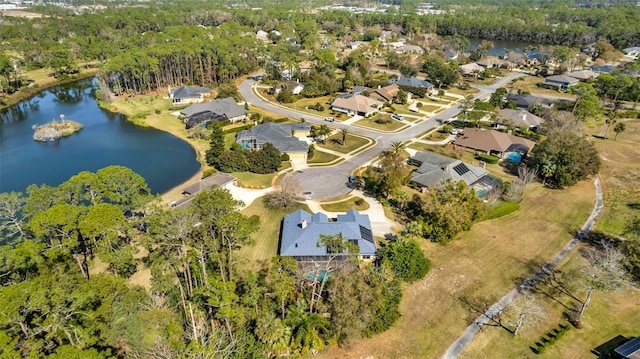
[[514, 157]]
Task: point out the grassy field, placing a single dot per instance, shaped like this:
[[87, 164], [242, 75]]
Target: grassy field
[[530, 83], [620, 175], [436, 136], [429, 108], [254, 180], [486, 262], [334, 143], [266, 240], [457, 91], [322, 157], [608, 315], [346, 204], [371, 123]]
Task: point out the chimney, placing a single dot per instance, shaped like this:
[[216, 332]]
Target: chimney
[[303, 224]]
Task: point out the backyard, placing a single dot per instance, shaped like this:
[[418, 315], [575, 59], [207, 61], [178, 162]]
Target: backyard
[[343, 205], [266, 240], [485, 263]]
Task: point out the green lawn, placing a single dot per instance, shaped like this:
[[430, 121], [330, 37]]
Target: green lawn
[[320, 157], [334, 143], [266, 240], [436, 136], [255, 180], [370, 123], [429, 108], [345, 205], [303, 103], [457, 91], [418, 146]]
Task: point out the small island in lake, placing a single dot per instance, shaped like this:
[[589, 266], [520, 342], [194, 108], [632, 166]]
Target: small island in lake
[[56, 129]]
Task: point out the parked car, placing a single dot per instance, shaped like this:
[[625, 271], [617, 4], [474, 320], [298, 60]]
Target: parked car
[[330, 119], [397, 117], [454, 131]]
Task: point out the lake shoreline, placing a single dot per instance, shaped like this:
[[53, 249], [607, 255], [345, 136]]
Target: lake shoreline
[[175, 192], [20, 96]]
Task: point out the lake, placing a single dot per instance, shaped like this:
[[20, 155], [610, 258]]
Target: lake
[[107, 139]]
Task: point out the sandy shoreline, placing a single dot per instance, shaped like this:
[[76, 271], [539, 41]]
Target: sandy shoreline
[[175, 193]]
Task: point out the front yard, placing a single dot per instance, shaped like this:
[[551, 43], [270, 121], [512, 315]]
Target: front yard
[[370, 122], [334, 143]]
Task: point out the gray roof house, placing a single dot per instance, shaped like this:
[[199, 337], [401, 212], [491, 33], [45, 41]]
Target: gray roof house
[[519, 118], [435, 170], [220, 109], [632, 51], [560, 82], [526, 101], [281, 136], [187, 94], [301, 232], [628, 350], [411, 82]]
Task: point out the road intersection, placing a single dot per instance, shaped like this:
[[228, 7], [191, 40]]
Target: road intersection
[[331, 181]]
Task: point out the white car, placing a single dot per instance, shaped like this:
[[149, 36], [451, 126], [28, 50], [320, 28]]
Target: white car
[[330, 119], [397, 117]]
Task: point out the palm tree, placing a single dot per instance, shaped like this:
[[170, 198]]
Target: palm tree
[[396, 147], [344, 132], [306, 328], [322, 132]]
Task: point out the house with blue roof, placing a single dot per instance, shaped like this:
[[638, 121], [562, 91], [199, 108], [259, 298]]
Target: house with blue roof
[[301, 232], [435, 170]]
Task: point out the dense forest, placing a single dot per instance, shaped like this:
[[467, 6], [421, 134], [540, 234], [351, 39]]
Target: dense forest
[[68, 251], [142, 49]]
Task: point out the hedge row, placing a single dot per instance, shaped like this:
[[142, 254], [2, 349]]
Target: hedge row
[[549, 339], [487, 158], [502, 210]]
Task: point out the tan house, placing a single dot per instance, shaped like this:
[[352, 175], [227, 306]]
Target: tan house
[[287, 138], [385, 94], [492, 142], [470, 69], [356, 105]]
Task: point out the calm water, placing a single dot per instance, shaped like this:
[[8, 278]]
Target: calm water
[[107, 139]]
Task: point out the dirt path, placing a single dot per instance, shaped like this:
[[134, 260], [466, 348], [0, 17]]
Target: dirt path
[[460, 344]]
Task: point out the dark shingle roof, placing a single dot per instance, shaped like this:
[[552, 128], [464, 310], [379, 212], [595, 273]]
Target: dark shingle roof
[[221, 106], [411, 82], [279, 135], [188, 92], [299, 241], [435, 169], [216, 179], [561, 79], [527, 100]]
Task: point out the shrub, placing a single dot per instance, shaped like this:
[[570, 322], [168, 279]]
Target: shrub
[[157, 111], [383, 120], [285, 157], [359, 202], [447, 128], [406, 260], [502, 210], [208, 172], [487, 158]]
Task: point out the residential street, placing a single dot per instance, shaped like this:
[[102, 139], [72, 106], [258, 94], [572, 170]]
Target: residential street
[[331, 181]]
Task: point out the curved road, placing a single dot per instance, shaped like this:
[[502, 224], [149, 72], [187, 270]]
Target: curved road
[[460, 344], [331, 181]]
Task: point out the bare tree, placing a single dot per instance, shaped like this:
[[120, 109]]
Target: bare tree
[[522, 313], [527, 174], [526, 311], [285, 195], [494, 195], [560, 121], [603, 272]]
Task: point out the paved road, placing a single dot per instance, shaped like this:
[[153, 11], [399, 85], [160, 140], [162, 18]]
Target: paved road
[[460, 344], [328, 182]]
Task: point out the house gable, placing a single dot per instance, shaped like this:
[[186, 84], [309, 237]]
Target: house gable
[[301, 232]]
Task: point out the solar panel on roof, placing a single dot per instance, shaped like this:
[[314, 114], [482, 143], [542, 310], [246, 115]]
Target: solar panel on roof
[[460, 169], [366, 234]]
